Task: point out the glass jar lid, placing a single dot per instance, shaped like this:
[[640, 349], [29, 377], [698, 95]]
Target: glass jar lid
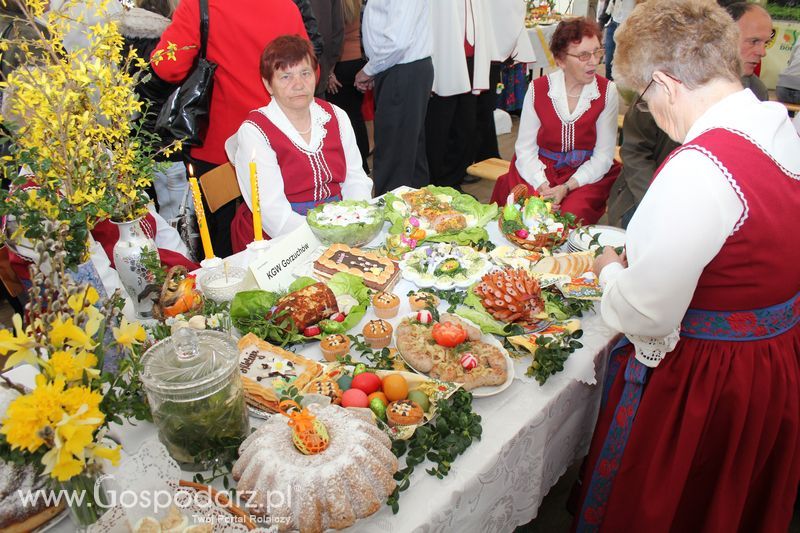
[[188, 362]]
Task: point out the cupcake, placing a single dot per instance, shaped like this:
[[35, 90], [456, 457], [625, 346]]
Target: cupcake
[[404, 413], [420, 300], [386, 304], [377, 333], [326, 387], [334, 346]]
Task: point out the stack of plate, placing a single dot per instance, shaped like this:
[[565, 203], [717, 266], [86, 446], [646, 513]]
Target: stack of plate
[[609, 236]]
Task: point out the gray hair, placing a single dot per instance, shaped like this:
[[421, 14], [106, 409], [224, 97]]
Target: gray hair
[[696, 41]]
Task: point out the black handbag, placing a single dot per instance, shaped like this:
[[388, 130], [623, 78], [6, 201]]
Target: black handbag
[[185, 114]]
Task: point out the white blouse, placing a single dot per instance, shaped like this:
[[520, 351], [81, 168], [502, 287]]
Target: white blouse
[[682, 223], [249, 144], [530, 168]]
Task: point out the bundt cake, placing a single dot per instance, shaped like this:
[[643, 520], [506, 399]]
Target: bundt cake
[[351, 479]]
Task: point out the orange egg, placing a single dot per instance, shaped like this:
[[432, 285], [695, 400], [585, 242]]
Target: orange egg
[[380, 396], [395, 387]]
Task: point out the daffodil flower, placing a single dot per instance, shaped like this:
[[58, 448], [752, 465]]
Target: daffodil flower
[[129, 333], [22, 346]]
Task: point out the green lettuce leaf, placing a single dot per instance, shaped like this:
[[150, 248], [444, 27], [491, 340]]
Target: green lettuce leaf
[[301, 283], [247, 304], [482, 319]]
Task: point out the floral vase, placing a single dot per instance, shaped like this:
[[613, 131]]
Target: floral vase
[[138, 281], [86, 499], [86, 273]]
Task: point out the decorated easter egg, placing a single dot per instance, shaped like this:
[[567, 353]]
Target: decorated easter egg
[[395, 387], [354, 398], [367, 382], [379, 395], [344, 382], [420, 398], [378, 407]]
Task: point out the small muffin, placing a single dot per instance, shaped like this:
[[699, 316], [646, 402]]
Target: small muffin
[[326, 387], [420, 300], [386, 304], [377, 333], [333, 346], [404, 413]]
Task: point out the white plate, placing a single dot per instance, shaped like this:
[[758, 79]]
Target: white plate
[[442, 282], [480, 392], [609, 236]]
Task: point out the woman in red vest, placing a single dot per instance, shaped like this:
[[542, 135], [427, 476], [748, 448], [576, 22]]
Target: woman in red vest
[[304, 149], [699, 429], [568, 129]]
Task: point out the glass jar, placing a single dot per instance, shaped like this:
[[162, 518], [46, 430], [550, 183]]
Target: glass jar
[[195, 392]]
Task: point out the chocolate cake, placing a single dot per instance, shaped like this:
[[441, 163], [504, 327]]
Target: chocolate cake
[[379, 273]]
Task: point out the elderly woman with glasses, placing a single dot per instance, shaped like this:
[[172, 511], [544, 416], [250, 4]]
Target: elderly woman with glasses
[[568, 129], [304, 149], [700, 424]]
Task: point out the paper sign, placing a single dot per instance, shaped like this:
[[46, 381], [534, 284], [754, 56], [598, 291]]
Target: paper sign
[[273, 267]]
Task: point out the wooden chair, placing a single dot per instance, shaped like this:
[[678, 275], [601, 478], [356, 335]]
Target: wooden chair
[[489, 169], [220, 186]]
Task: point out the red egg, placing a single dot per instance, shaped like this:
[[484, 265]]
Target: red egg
[[367, 382], [355, 398]]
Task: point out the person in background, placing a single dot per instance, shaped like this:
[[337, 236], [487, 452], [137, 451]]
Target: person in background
[[312, 28], [568, 129], [462, 55], [645, 146], [238, 32], [755, 35], [341, 89], [398, 42], [618, 11], [141, 27], [330, 20], [788, 88], [304, 148], [699, 429]]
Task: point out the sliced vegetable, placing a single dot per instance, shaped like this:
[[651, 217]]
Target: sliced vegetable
[[448, 334]]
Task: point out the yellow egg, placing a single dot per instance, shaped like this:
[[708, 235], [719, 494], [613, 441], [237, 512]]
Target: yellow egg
[[395, 387]]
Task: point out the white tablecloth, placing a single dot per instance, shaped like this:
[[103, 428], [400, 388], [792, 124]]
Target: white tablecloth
[[531, 435]]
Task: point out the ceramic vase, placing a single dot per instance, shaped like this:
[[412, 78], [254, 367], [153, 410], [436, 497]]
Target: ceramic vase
[[137, 280]]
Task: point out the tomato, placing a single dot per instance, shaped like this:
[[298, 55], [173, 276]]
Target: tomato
[[448, 334]]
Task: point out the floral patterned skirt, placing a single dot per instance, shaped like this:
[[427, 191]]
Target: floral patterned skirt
[[715, 443]]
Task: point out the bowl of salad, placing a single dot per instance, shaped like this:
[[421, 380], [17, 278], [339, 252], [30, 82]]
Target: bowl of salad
[[350, 222]]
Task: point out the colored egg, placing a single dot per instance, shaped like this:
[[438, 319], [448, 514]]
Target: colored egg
[[367, 382], [344, 382], [381, 396], [354, 398], [359, 368], [420, 398], [378, 407], [395, 387]]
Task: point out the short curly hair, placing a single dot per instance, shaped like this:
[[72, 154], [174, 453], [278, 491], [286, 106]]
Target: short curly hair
[[696, 41], [572, 31], [284, 52]]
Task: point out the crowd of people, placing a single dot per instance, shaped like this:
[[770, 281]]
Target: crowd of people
[[700, 423]]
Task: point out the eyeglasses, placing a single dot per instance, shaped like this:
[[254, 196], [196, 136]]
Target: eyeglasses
[[758, 42], [585, 56], [640, 103]]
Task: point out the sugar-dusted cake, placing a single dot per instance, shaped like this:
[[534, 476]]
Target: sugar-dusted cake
[[351, 479], [379, 273]]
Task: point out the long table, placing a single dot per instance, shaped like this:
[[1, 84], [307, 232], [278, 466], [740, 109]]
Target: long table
[[531, 435]]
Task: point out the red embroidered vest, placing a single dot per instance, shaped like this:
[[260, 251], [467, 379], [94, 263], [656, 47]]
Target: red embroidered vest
[[558, 135], [307, 176], [759, 264]]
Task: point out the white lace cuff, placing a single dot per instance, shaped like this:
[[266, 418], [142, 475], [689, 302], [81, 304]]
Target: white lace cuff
[[651, 350]]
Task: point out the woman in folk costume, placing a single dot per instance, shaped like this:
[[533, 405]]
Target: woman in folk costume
[[568, 129], [699, 428], [304, 149]]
